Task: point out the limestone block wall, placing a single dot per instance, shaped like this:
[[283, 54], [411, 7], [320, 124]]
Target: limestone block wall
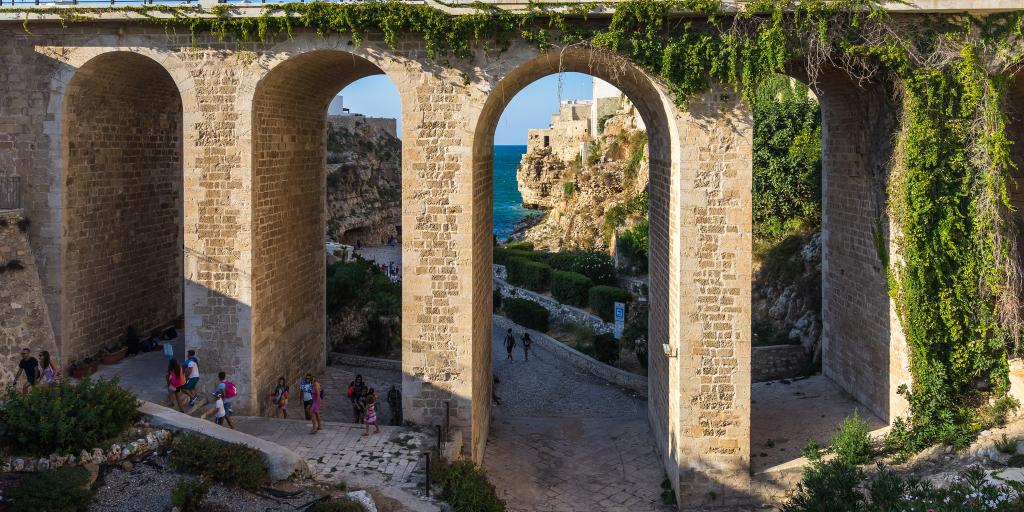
[[24, 322], [122, 210], [778, 362]]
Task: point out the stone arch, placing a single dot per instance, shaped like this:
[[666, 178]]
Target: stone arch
[[121, 193], [288, 122], [656, 108]]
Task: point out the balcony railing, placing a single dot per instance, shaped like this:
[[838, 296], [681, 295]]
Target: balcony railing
[[10, 192]]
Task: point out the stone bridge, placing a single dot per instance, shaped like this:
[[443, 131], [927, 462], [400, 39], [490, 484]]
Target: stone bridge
[[169, 176]]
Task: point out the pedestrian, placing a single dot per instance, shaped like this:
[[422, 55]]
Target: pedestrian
[[175, 381], [371, 414], [227, 391], [168, 346], [510, 343], [280, 398], [355, 392], [48, 372], [132, 341], [222, 414], [30, 367], [306, 388], [527, 342], [314, 408], [192, 370], [395, 404]]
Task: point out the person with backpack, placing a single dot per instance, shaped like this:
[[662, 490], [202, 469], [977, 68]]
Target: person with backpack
[[306, 388], [510, 343], [227, 391], [527, 342], [175, 381], [192, 371], [356, 390]]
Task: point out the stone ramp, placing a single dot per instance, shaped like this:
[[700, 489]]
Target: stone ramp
[[340, 452]]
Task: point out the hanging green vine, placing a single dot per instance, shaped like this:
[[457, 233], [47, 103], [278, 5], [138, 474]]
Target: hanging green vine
[[955, 262]]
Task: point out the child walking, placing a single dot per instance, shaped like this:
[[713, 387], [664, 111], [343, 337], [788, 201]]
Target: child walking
[[280, 398], [221, 413], [370, 417]]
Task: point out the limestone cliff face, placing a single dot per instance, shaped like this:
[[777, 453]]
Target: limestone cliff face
[[786, 294], [364, 179], [609, 170]]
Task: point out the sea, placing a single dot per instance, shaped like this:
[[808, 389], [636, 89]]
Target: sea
[[508, 202]]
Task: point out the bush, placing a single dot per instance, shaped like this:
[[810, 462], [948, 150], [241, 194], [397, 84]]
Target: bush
[[529, 274], [466, 488], [64, 489], [188, 494], [502, 255], [597, 266], [496, 300], [606, 348], [232, 464], [520, 246], [570, 288], [337, 505], [527, 313], [360, 288], [633, 245], [827, 486], [852, 443], [603, 298], [67, 417]]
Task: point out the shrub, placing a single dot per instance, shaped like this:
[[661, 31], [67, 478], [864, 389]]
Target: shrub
[[599, 267], [830, 486], [570, 288], [232, 464], [852, 442], [337, 505], [603, 298], [633, 245], [496, 300], [519, 246], [606, 348], [635, 333], [360, 288], [67, 417], [64, 489], [188, 494], [527, 313], [466, 488], [502, 255], [529, 274], [568, 188]]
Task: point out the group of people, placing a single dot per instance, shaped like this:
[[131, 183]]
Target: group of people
[[510, 345], [363, 399], [37, 372], [185, 381]]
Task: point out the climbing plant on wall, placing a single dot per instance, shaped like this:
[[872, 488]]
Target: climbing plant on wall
[[951, 274]]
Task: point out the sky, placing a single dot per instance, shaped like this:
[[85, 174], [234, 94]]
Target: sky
[[532, 107]]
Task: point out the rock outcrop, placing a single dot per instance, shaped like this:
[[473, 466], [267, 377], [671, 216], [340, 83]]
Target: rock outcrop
[[364, 180], [786, 294]]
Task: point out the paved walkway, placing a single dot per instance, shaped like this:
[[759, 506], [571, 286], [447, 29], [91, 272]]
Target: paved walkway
[[564, 440]]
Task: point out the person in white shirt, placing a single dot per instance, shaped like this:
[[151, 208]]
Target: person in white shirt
[[192, 370], [221, 414]]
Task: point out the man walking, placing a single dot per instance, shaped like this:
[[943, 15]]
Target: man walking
[[510, 343], [395, 404], [526, 346], [30, 367], [192, 369]]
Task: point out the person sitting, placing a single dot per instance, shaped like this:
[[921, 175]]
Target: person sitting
[[131, 340], [152, 342]]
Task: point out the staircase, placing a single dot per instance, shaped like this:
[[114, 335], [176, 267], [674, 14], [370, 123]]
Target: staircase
[[203, 408]]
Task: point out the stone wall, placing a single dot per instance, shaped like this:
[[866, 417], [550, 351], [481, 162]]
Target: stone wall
[[24, 322], [122, 261], [778, 362]]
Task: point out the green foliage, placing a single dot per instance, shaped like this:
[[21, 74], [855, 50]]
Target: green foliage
[[597, 266], [67, 417], [633, 246], [527, 313], [839, 487], [852, 443], [786, 158], [616, 215], [519, 246], [360, 287], [465, 487], [232, 464], [502, 255], [1006, 445], [496, 298], [188, 494], [603, 298], [64, 489], [634, 332], [570, 288], [337, 505], [568, 188], [529, 274], [668, 494], [606, 348]]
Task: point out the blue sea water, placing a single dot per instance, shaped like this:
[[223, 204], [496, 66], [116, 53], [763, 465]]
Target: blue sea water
[[508, 202]]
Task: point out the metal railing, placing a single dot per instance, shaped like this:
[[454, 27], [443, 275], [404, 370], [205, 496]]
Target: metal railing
[[10, 192]]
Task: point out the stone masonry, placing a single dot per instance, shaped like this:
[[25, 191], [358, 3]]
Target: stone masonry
[[168, 174]]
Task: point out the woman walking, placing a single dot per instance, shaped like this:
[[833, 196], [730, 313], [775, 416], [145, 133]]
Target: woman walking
[[314, 408], [175, 380], [280, 398], [48, 369]]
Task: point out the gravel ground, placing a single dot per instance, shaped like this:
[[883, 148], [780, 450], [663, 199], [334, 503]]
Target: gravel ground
[[146, 487]]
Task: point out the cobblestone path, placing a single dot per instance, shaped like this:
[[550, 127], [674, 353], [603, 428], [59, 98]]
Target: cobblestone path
[[563, 440]]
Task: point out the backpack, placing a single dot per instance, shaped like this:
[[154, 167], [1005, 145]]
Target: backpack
[[229, 389], [350, 391]]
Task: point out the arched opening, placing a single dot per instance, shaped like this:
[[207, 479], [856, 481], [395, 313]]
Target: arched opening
[[122, 204], [551, 399], [824, 345], [308, 167]]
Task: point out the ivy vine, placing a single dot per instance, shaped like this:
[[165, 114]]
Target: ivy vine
[[953, 271]]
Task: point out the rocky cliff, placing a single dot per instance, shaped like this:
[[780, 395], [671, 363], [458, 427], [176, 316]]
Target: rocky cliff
[[364, 179], [609, 171]]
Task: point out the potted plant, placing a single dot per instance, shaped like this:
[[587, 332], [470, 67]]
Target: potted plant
[[83, 369], [112, 356]]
